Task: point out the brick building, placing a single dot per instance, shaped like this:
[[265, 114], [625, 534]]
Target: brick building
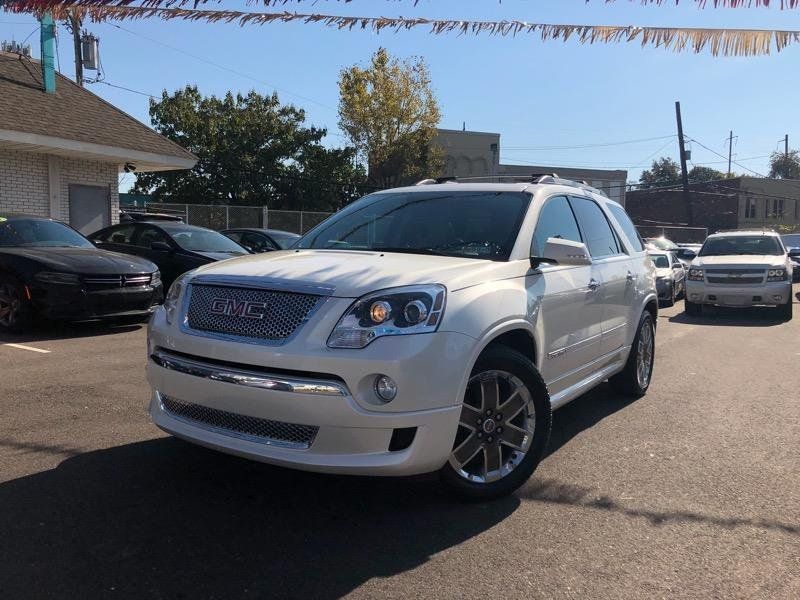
[[61, 153], [736, 203]]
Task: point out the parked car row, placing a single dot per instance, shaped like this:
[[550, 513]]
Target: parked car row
[[49, 270], [736, 268]]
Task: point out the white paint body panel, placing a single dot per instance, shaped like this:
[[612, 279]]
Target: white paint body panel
[[581, 337]]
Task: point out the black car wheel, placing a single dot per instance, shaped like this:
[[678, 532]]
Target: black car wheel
[[15, 313]]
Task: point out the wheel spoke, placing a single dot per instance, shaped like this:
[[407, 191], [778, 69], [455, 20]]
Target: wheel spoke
[[511, 407], [467, 450], [490, 393], [492, 458], [469, 416], [514, 436]]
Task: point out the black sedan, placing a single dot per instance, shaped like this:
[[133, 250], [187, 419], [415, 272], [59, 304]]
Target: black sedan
[[262, 240], [174, 247], [49, 270]]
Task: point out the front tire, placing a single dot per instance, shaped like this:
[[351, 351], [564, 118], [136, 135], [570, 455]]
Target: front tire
[[504, 427], [785, 310], [15, 310], [671, 300], [692, 308], [634, 379]]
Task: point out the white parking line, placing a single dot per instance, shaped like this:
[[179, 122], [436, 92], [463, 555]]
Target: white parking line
[[31, 348]]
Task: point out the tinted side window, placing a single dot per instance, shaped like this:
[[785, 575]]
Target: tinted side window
[[256, 242], [118, 235], [627, 226], [555, 221], [236, 236], [598, 235], [148, 235]]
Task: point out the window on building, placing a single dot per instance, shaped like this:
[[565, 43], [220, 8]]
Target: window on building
[[777, 211], [750, 208]]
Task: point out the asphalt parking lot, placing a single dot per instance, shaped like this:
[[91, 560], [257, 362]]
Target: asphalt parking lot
[[690, 492]]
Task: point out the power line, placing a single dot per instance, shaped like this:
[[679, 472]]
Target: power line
[[724, 157], [122, 87], [219, 66], [601, 145]]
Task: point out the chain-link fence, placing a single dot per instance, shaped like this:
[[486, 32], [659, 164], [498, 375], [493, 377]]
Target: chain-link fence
[[224, 216]]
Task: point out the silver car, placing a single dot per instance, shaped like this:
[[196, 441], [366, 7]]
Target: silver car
[[670, 277]]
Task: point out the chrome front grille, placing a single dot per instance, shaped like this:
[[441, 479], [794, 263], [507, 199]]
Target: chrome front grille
[[117, 281], [741, 280], [265, 431], [260, 314]]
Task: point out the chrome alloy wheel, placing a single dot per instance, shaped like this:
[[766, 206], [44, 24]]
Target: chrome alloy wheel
[[9, 305], [496, 427], [644, 354]]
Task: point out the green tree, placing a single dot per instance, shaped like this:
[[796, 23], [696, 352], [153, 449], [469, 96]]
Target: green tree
[[390, 113], [664, 171], [784, 166], [251, 150], [700, 174]]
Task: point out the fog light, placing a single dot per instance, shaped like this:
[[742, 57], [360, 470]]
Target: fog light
[[386, 388], [695, 296], [777, 298]]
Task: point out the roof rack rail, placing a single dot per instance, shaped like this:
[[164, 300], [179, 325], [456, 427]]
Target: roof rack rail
[[431, 181]]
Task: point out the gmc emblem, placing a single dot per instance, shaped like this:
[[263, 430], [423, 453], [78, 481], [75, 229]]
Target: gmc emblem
[[238, 308]]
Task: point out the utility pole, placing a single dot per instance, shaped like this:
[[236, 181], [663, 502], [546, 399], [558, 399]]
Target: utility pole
[[684, 172], [730, 152], [786, 146], [75, 26]]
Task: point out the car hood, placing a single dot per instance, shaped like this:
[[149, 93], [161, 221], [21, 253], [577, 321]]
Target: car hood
[[219, 255], [355, 273], [667, 273], [764, 261], [84, 260]]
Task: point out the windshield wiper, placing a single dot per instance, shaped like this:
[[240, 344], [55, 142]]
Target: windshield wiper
[[428, 251]]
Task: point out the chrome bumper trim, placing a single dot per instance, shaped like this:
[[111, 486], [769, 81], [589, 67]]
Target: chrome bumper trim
[[247, 378]]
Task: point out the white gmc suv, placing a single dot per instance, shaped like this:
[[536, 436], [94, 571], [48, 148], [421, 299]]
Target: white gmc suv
[[427, 328], [741, 268]]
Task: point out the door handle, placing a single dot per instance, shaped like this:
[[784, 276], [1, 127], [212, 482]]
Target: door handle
[[593, 285], [631, 276]]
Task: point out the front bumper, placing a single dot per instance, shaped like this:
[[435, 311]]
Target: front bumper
[[764, 294], [76, 303], [287, 385], [664, 288]]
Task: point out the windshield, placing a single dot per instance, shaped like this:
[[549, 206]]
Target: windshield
[[791, 240], [284, 241], [661, 261], [742, 244], [480, 225], [40, 233], [662, 243], [197, 239]]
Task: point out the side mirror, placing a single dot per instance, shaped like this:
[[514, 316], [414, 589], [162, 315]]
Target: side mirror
[[563, 252], [160, 247], [677, 266], [794, 252]]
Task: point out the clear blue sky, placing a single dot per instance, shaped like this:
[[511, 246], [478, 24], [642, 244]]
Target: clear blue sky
[[534, 93]]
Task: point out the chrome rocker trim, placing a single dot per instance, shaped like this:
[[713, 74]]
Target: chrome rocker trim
[[243, 377]]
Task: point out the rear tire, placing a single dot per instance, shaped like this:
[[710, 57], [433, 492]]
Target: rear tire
[[503, 430], [16, 315], [671, 300], [692, 308], [635, 378]]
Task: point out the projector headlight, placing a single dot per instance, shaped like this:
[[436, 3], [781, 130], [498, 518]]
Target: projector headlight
[[395, 311], [172, 300]]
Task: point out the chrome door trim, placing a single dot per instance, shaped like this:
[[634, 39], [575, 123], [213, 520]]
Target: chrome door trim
[[246, 378]]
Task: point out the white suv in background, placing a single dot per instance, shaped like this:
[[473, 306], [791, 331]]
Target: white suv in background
[[427, 328], [741, 268]]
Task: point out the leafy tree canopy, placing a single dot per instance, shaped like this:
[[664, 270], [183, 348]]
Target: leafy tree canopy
[[251, 150], [664, 171], [784, 166], [699, 174], [389, 112]]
